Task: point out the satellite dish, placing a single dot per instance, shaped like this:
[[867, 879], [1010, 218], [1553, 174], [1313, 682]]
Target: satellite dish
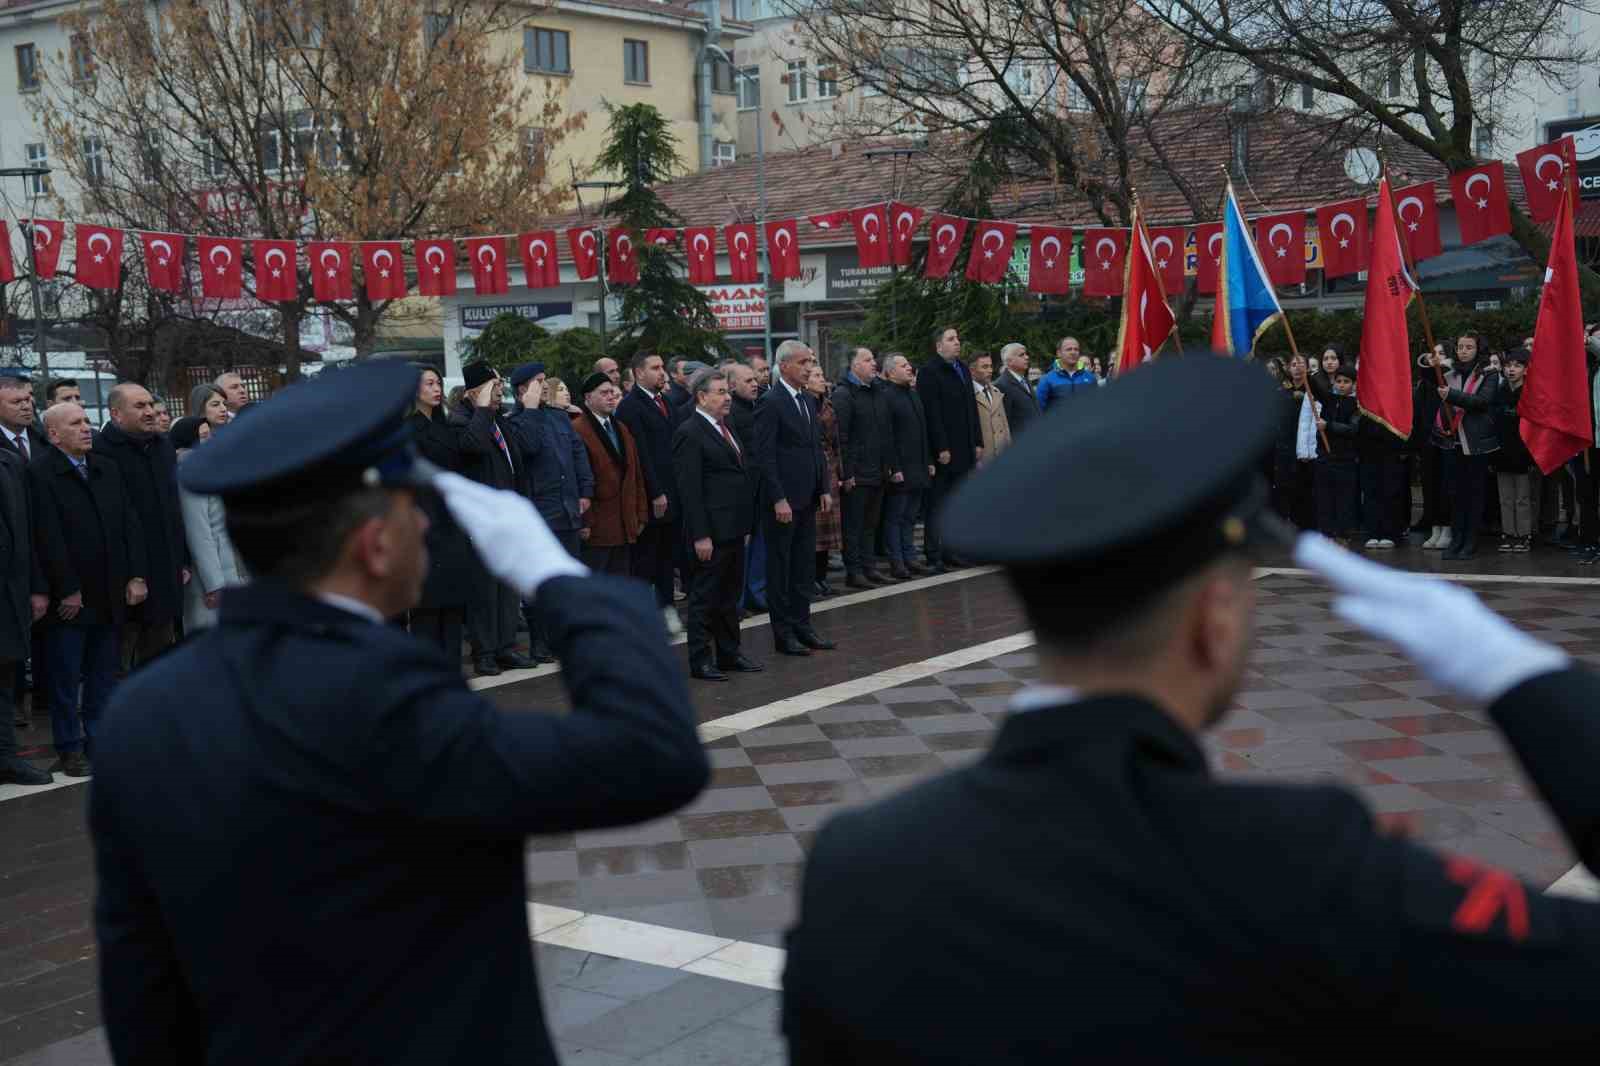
[[1361, 166]]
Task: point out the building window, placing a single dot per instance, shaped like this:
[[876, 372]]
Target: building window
[[81, 59], [546, 51], [27, 68], [722, 76], [1132, 90], [1484, 138], [723, 153], [150, 154], [435, 27], [94, 162], [1020, 80], [799, 89], [1394, 80], [827, 83], [1308, 98], [749, 86], [636, 62], [38, 184], [533, 148], [215, 163], [1076, 101]]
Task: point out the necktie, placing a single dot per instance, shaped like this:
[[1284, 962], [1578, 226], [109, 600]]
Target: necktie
[[22, 444], [731, 442], [961, 371], [800, 402], [605, 424], [499, 438], [82, 469], [662, 404]]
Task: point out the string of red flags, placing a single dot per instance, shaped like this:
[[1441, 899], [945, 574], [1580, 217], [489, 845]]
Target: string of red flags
[[885, 234]]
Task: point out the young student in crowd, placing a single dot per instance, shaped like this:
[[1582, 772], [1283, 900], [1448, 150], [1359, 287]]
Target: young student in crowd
[[1514, 472], [1337, 486], [1467, 419]]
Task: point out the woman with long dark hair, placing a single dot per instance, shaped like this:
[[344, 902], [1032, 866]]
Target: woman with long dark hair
[[441, 614], [1466, 418]]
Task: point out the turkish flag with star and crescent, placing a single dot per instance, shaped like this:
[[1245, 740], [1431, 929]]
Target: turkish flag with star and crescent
[[1103, 253], [783, 249], [1167, 254], [331, 275], [539, 266], [1281, 243], [945, 233], [8, 266], [660, 237], [436, 267], [742, 265], [47, 233], [277, 280], [1207, 257], [486, 256], [1556, 422], [872, 236], [831, 222], [990, 257], [1482, 207], [622, 258], [903, 222], [221, 269], [1418, 209], [1049, 259], [585, 252], [99, 262], [163, 260], [384, 270], [700, 249], [1342, 232], [1543, 172], [1147, 319]]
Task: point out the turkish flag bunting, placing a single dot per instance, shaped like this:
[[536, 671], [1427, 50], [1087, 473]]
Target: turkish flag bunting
[[163, 260], [585, 252], [660, 237], [1418, 208], [700, 248], [1281, 243], [331, 276], [1383, 381], [1147, 321], [384, 267], [903, 222], [783, 249], [990, 256], [1049, 259], [436, 266], [1543, 170], [99, 261], [221, 267], [276, 277], [1482, 207], [1207, 257], [622, 258], [1554, 408], [742, 265], [872, 244], [1103, 253], [1342, 232], [1167, 251], [46, 246], [8, 267], [832, 222], [487, 258], [539, 266], [945, 233]]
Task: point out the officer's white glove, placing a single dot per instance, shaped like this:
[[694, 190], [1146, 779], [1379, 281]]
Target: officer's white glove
[[1443, 628], [509, 534]]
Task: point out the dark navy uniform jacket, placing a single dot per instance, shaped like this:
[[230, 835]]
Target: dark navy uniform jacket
[[1087, 892], [309, 832]]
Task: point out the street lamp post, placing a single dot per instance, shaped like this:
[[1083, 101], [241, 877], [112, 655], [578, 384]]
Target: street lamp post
[[37, 174]]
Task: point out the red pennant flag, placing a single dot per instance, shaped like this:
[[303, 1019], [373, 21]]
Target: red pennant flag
[[487, 258], [832, 222], [783, 250], [1281, 240], [872, 236], [1147, 321], [990, 257], [945, 233], [99, 261], [1049, 259], [331, 275], [1543, 172], [383, 266], [1104, 251], [585, 252], [1383, 380], [903, 222], [539, 266], [1342, 231], [659, 238], [622, 260], [1207, 257], [221, 267], [436, 267], [1167, 252], [1554, 409], [46, 246], [163, 260], [277, 280], [700, 246], [1419, 220], [1482, 207], [742, 265]]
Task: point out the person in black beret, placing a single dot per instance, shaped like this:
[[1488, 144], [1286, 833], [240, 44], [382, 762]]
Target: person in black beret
[[328, 826], [1088, 892]]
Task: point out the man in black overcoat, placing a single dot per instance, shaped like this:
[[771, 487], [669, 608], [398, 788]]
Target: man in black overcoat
[[648, 413], [954, 434], [21, 605]]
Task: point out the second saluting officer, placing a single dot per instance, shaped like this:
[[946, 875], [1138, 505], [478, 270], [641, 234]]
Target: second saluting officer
[[317, 854]]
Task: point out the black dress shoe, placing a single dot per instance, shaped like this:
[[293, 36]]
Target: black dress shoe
[[856, 581], [899, 572], [15, 771], [809, 638], [514, 660], [73, 764], [742, 665], [790, 646], [485, 666], [916, 569], [757, 605], [825, 589], [872, 577], [707, 672]]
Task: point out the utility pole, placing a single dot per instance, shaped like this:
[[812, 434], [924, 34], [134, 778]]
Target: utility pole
[[33, 183]]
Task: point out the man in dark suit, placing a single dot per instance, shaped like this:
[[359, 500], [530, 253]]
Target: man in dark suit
[[718, 509], [649, 416], [22, 603], [954, 434], [20, 434], [333, 779], [1014, 385], [794, 483], [744, 385], [679, 371]]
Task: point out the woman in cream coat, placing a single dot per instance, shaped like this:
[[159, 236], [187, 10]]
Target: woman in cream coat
[[214, 562]]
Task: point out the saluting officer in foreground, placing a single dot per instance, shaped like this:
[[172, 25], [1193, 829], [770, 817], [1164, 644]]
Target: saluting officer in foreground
[[315, 854], [1087, 892]]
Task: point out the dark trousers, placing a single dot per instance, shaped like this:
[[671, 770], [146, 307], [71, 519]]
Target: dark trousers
[[441, 627], [1338, 496], [8, 710], [141, 642], [791, 570], [1438, 485], [714, 590], [860, 509], [653, 556], [492, 618], [1383, 485], [613, 560], [755, 570], [900, 522], [572, 540], [944, 483], [1293, 495], [1471, 488], [89, 652], [1586, 469]]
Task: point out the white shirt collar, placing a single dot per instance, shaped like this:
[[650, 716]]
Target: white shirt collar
[[714, 423], [1016, 375], [352, 606], [1038, 697]]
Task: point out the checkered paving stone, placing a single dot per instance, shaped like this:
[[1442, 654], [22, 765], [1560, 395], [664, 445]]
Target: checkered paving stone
[[1320, 703]]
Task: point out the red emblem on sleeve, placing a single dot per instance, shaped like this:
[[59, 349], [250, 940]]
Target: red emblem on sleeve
[[1489, 891]]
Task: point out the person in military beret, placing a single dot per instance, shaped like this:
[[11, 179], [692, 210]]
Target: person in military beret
[[1088, 892], [316, 854]]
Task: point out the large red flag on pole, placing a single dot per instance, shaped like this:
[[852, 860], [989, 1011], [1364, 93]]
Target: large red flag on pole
[[1557, 423], [1146, 319], [1383, 380]]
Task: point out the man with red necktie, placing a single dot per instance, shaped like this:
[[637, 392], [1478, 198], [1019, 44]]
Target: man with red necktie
[[649, 416]]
